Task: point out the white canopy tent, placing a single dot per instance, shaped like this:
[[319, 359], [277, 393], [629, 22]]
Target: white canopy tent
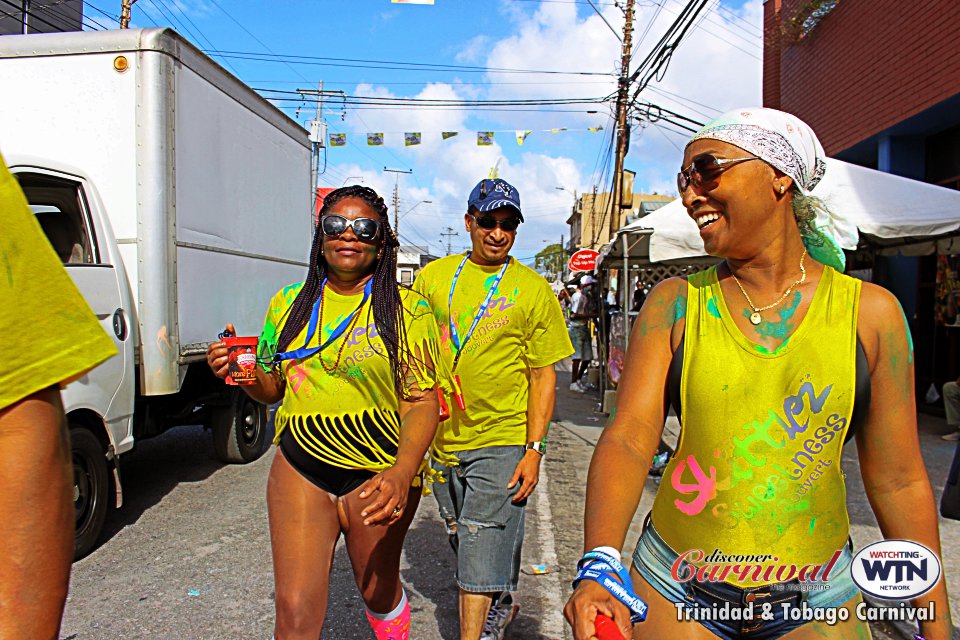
[[893, 214]]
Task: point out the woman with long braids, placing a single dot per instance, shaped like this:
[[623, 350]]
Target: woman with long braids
[[351, 356]]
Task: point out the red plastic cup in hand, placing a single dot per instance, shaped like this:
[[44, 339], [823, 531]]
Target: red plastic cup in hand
[[606, 629]]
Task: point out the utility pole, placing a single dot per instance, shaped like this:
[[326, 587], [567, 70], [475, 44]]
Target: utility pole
[[448, 235], [396, 198], [623, 132], [125, 7]]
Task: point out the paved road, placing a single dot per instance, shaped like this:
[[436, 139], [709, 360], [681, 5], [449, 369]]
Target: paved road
[[188, 555]]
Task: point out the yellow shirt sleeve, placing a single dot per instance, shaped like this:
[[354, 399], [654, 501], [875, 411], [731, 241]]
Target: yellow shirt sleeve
[[48, 333], [547, 340]]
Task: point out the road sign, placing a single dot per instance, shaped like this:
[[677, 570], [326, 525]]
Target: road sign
[[583, 260]]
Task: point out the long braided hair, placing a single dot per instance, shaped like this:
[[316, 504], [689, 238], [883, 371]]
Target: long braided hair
[[385, 298]]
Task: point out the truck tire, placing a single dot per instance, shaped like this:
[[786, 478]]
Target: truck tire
[[91, 488], [239, 429]]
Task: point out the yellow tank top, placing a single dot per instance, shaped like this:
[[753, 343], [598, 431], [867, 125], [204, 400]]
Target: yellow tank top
[[757, 468]]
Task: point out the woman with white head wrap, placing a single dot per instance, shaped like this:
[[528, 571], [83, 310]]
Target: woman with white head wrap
[[772, 359]]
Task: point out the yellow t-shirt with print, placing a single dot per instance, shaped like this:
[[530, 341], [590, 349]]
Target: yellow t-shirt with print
[[48, 334], [523, 328], [341, 404]]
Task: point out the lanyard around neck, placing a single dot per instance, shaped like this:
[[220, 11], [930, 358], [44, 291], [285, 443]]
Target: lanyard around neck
[[305, 352], [480, 312]]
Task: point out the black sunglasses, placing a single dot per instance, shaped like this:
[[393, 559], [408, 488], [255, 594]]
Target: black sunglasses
[[706, 168], [365, 229], [489, 222]]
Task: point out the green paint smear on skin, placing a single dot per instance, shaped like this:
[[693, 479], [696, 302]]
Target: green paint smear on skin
[[678, 309], [909, 334], [712, 308], [782, 328]]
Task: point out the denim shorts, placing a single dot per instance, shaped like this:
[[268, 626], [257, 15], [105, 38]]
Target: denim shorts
[[581, 340], [485, 526], [653, 559]]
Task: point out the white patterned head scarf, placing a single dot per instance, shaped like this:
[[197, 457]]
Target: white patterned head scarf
[[781, 140], [787, 143]]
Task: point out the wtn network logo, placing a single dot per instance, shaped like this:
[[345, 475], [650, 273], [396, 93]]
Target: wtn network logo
[[895, 569]]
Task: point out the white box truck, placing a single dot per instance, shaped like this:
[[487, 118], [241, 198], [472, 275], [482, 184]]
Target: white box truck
[[178, 200]]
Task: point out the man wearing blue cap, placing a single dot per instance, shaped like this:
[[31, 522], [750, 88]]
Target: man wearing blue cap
[[502, 330]]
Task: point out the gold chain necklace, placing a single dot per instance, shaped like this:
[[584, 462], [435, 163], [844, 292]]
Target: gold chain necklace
[[755, 316]]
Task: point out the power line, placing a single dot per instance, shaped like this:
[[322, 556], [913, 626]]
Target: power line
[[397, 64]]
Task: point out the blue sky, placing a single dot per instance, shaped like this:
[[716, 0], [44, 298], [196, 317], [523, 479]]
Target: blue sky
[[716, 68]]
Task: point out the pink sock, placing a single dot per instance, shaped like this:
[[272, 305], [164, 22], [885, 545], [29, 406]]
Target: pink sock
[[394, 625]]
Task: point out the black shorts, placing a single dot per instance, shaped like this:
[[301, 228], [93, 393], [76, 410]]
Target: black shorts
[[334, 480]]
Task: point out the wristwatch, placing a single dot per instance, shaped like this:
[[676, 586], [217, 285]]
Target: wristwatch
[[539, 446]]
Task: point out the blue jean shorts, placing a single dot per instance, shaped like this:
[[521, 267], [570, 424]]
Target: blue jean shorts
[[653, 559], [581, 340], [486, 527]]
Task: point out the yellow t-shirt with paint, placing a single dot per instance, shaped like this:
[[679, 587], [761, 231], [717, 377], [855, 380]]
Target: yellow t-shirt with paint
[[48, 333], [349, 416], [523, 328], [757, 468]]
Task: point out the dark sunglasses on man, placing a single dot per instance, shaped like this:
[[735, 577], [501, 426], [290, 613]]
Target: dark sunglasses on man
[[366, 229], [489, 223], [706, 168]]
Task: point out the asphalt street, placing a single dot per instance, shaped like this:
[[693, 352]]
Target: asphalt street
[[188, 555]]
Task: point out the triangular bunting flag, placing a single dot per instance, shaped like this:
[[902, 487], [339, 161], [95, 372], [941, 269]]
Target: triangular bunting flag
[[338, 139], [522, 135], [449, 134], [558, 130], [484, 138], [594, 129], [410, 139], [374, 139]]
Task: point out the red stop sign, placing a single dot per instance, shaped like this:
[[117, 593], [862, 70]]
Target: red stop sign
[[583, 260]]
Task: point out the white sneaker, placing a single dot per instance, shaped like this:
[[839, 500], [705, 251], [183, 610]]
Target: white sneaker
[[502, 612], [575, 386], [950, 437]]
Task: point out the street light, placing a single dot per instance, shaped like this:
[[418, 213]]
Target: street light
[[404, 215], [349, 178]]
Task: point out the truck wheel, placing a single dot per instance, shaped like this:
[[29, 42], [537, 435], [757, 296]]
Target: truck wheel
[[91, 486], [239, 429]]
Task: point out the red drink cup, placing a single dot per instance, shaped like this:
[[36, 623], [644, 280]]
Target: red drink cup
[[606, 629], [242, 356]]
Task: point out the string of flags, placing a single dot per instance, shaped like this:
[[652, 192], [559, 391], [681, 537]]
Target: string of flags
[[413, 138]]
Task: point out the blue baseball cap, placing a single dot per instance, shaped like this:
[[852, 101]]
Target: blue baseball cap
[[493, 194]]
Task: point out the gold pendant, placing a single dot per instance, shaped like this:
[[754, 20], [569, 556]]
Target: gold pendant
[[755, 318]]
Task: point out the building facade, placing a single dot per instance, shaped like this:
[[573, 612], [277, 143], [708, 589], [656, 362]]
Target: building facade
[[879, 81], [589, 219]]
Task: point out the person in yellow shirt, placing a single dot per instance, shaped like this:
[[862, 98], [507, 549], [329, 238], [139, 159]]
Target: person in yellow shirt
[[501, 331], [49, 337], [772, 358], [351, 355]]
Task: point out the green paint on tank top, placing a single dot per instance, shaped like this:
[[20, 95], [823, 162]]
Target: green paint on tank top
[[712, 308], [813, 523]]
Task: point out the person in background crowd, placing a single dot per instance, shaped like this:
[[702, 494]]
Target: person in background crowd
[[359, 412], [772, 359], [951, 402], [578, 327], [36, 471], [502, 331], [639, 296]]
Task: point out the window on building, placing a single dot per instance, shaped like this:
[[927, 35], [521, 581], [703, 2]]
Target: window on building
[[406, 276]]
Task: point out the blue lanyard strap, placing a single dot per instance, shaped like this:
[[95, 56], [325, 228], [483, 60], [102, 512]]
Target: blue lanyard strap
[[304, 352], [480, 312], [610, 574]]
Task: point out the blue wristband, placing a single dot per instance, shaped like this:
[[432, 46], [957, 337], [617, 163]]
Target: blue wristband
[[601, 568]]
